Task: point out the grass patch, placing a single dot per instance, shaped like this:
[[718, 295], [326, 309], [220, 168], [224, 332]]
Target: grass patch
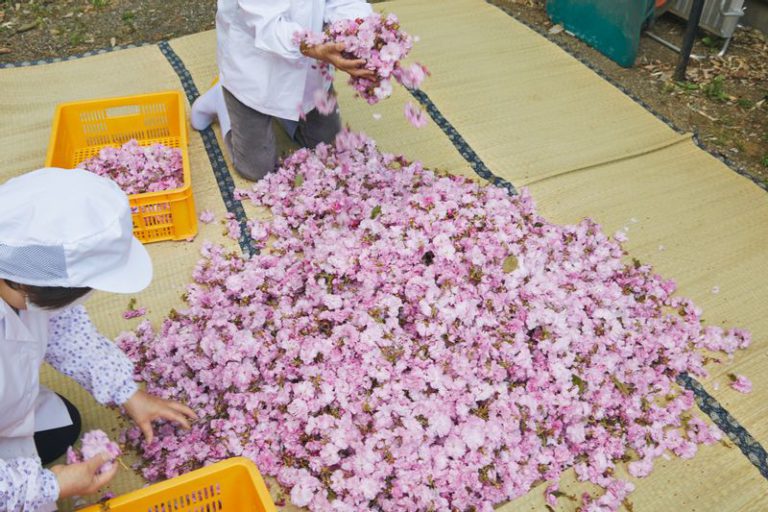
[[713, 42], [715, 90], [77, 38], [687, 86]]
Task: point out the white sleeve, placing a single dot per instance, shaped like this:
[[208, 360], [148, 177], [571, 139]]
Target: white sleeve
[[273, 30], [346, 9]]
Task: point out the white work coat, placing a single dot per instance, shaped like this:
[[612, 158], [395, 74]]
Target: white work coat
[[27, 407], [258, 61]]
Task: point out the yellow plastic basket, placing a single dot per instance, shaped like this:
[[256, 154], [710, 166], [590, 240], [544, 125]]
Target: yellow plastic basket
[[232, 485], [81, 129]]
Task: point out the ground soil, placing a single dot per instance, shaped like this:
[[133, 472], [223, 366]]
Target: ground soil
[[724, 100]]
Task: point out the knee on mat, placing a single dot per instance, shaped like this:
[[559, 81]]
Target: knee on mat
[[254, 169], [325, 135]]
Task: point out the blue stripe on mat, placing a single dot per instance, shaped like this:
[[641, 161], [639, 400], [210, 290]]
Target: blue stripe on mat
[[212, 148], [51, 60], [741, 437], [459, 143]]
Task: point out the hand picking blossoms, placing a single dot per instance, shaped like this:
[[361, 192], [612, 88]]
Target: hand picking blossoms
[[94, 443], [379, 41], [415, 342], [139, 169]]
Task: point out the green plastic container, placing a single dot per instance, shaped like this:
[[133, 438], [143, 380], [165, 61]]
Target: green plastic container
[[612, 27]]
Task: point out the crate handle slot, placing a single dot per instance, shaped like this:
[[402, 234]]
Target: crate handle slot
[[122, 111]]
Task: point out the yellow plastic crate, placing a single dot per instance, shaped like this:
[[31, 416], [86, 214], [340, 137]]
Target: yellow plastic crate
[[232, 485], [81, 129]]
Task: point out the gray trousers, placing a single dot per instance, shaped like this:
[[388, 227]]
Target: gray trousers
[[252, 137]]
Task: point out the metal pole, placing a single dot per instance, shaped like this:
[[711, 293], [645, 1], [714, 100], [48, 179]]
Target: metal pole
[[690, 36]]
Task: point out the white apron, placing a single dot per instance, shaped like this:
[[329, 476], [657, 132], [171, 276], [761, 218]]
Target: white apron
[[27, 407]]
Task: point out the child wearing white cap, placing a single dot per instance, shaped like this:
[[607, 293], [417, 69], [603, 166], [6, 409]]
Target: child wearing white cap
[[63, 233]]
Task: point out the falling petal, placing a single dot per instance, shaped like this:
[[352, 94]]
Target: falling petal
[[415, 115]]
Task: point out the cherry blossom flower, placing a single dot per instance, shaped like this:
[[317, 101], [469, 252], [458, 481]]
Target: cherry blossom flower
[[232, 225], [92, 444], [138, 169], [413, 341], [325, 102], [207, 216], [377, 39], [640, 468], [133, 311], [415, 115], [740, 383], [413, 76]]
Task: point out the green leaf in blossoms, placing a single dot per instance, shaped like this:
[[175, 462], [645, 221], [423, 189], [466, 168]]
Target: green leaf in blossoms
[[475, 274], [375, 212], [623, 388], [579, 382], [510, 264], [298, 181]]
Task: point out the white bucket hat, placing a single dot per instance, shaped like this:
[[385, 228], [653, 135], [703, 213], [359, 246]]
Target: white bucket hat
[[70, 228]]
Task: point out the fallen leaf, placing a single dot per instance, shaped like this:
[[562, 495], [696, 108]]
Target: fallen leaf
[[556, 29], [510, 264], [27, 27]]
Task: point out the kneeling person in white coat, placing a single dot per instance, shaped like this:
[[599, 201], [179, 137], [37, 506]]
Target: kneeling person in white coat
[[265, 75], [63, 233]]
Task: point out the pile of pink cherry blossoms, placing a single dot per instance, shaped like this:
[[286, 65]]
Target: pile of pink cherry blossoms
[[412, 342], [379, 40], [138, 169], [94, 443]]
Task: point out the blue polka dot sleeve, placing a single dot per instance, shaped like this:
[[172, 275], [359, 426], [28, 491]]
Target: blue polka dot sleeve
[[76, 349], [25, 485]]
